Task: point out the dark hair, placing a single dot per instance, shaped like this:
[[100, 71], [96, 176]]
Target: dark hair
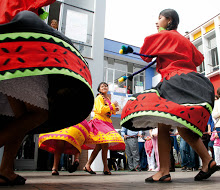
[[218, 92], [173, 15], [100, 85]]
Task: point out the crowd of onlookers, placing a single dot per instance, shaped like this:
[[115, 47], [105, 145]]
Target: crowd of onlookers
[[141, 152]]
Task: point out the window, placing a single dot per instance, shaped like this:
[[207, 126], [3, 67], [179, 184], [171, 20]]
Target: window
[[115, 69], [213, 54], [201, 68], [76, 22]]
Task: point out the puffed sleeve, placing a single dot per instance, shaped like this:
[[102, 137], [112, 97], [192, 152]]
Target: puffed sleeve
[[154, 45], [101, 108]]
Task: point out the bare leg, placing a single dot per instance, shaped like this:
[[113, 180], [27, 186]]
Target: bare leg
[[76, 157], [93, 156], [104, 156], [196, 143], [57, 154], [164, 151], [27, 117]]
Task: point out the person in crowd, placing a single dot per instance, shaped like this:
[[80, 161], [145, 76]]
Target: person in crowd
[[115, 160], [149, 151], [216, 146], [154, 138], [172, 160], [211, 126], [68, 141], [131, 148], [102, 135], [129, 91], [142, 153], [36, 96], [54, 24], [216, 112], [187, 156], [183, 98]]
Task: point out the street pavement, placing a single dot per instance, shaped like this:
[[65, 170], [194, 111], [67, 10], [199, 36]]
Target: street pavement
[[120, 180]]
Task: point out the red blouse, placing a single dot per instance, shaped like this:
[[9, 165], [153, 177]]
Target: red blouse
[[9, 8], [175, 53]]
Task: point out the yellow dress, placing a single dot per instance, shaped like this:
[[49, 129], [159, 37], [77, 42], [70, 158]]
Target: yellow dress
[[101, 129], [73, 136]]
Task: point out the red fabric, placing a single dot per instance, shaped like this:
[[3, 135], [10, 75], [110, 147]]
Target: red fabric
[[32, 54], [176, 54], [9, 8], [198, 116], [148, 147]]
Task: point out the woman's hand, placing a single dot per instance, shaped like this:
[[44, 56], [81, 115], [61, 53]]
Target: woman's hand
[[116, 109], [115, 103]]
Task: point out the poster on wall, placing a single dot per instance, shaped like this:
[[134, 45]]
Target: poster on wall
[[76, 25], [121, 101]]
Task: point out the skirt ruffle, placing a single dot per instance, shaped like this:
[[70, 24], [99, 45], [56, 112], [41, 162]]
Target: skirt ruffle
[[103, 132], [73, 136], [184, 100], [29, 47]]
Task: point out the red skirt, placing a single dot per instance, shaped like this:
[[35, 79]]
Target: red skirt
[[184, 100]]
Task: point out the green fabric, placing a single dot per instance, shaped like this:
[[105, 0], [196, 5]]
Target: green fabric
[[164, 115], [44, 15]]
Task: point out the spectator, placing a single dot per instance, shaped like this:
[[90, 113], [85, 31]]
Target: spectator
[[142, 153], [54, 24], [131, 148]]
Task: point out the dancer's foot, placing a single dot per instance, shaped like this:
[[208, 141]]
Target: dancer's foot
[[163, 179], [11, 180], [89, 170], [159, 176], [206, 172], [54, 172]]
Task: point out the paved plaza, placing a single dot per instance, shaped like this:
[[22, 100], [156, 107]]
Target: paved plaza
[[43, 180]]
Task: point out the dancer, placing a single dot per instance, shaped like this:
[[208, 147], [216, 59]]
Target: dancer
[[183, 98], [102, 135], [67, 141], [41, 76]]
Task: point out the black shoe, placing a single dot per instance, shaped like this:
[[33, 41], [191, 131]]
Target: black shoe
[[132, 170], [55, 172], [183, 169], [91, 172], [205, 175], [107, 173], [161, 180], [73, 167], [19, 180], [138, 168], [189, 169]]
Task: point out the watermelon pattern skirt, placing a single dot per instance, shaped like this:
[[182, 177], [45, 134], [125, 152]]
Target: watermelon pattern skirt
[[74, 137], [184, 100], [29, 48]]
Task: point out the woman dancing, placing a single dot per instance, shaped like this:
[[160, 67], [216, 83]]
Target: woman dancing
[[41, 76], [183, 98], [102, 135]]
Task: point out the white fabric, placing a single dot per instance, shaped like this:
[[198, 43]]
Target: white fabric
[[217, 154], [216, 113], [151, 160], [32, 90]]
